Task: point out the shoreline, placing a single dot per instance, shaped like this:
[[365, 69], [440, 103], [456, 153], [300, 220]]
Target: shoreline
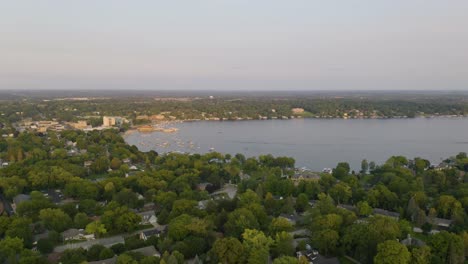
[[162, 125]]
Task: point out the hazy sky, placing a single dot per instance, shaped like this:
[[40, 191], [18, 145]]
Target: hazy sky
[[235, 44]]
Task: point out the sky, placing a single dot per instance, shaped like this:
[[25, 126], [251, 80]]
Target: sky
[[234, 44]]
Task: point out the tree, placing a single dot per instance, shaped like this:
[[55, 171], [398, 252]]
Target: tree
[[227, 250], [96, 228], [21, 228], [10, 248], [81, 220], [447, 248], [341, 192], [448, 206], [421, 255], [239, 220], [363, 208], [257, 245], [126, 259], [390, 252], [94, 251], [327, 241], [55, 219], [115, 164], [100, 165], [45, 245], [247, 198], [185, 225], [31, 257], [280, 224], [283, 245], [4, 223], [120, 220], [302, 202], [286, 260], [364, 166], [106, 253], [73, 256]]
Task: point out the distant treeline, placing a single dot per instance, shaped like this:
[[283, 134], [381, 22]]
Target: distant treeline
[[183, 108]]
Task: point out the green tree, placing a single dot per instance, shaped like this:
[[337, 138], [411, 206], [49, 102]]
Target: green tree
[[286, 260], [327, 241], [257, 246], [106, 253], [363, 208], [390, 252], [81, 220], [283, 245], [45, 245], [96, 228], [55, 219], [364, 166], [120, 220], [10, 248], [21, 228], [115, 164], [302, 202], [239, 220], [421, 255], [227, 250], [341, 192], [94, 251], [280, 224], [447, 248]]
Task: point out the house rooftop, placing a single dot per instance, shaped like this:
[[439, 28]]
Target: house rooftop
[[152, 232], [21, 198], [147, 251], [347, 207], [146, 213], [442, 222], [409, 241], [384, 212], [72, 232]]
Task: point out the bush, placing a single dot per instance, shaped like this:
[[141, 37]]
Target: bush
[[45, 245]]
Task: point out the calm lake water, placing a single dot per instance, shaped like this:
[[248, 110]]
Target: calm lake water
[[317, 143]]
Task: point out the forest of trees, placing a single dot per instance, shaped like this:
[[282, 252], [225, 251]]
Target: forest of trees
[[334, 215], [230, 108]]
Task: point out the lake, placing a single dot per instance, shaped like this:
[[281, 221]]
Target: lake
[[316, 143]]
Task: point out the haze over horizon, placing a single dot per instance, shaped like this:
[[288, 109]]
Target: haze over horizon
[[234, 45]]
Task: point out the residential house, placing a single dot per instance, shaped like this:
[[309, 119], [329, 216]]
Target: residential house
[[76, 234], [409, 241], [18, 199], [442, 223], [290, 217], [202, 186], [107, 242], [203, 204], [148, 217], [147, 251], [144, 235], [348, 207], [306, 175], [382, 212], [229, 191]]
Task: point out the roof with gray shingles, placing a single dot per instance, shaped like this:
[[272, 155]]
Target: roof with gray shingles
[[21, 198], [107, 242], [147, 251]]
